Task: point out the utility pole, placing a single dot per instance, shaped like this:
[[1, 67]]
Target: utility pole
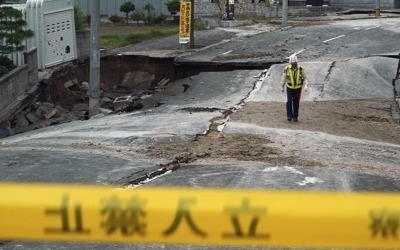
[[230, 11], [192, 24], [285, 4], [94, 86], [377, 8]]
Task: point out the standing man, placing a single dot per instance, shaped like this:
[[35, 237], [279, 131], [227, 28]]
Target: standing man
[[293, 77]]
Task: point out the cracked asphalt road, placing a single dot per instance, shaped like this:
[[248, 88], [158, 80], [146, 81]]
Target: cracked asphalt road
[[232, 128]]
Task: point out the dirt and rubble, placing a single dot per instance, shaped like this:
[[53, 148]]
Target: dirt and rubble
[[237, 147], [374, 120], [362, 119]]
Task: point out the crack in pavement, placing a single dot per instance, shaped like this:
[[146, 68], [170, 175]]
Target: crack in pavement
[[174, 165], [214, 130], [333, 64]]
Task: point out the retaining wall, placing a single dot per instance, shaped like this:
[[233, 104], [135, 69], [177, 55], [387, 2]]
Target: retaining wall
[[17, 90], [365, 4], [83, 43], [18, 81]]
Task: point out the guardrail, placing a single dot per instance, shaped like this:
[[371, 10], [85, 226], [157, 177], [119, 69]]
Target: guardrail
[[199, 216]]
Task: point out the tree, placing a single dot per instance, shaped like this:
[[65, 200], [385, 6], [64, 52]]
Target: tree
[[173, 6], [115, 19], [127, 7], [78, 17], [150, 15], [12, 32], [136, 16]]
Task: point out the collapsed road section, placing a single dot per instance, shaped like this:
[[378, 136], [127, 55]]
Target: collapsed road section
[[128, 83]]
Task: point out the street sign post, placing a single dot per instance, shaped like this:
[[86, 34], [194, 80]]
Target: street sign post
[[230, 11], [185, 24]]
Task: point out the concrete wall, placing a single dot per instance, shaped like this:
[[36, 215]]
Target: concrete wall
[[245, 8], [111, 7], [276, 11], [257, 10], [19, 80], [365, 4], [208, 7], [17, 91], [83, 43], [242, 9]]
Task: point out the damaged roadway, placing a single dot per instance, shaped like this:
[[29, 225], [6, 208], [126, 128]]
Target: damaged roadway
[[228, 129]]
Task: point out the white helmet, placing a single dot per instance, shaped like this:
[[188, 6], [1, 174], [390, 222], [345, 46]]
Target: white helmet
[[293, 59]]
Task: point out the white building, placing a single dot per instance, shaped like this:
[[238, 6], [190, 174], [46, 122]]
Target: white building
[[53, 24]]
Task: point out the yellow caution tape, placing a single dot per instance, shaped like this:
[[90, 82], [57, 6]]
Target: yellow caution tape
[[199, 216]]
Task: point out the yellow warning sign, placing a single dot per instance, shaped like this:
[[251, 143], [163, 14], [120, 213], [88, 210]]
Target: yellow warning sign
[[185, 22], [199, 216]]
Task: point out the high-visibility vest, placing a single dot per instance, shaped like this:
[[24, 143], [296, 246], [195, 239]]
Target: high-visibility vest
[[295, 77]]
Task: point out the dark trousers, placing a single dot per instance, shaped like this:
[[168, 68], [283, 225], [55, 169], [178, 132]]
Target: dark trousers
[[293, 102]]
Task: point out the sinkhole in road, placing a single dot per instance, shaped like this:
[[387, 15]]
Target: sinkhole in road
[[127, 83], [122, 76]]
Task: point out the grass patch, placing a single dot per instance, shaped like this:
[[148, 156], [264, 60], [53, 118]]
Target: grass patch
[[121, 39], [113, 37]]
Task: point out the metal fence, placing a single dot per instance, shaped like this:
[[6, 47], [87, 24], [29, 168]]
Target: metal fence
[[111, 7]]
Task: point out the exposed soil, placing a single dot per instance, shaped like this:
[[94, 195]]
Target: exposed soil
[[363, 119], [228, 147], [106, 29]]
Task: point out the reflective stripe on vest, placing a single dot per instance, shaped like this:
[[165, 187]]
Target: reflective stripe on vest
[[294, 80]]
